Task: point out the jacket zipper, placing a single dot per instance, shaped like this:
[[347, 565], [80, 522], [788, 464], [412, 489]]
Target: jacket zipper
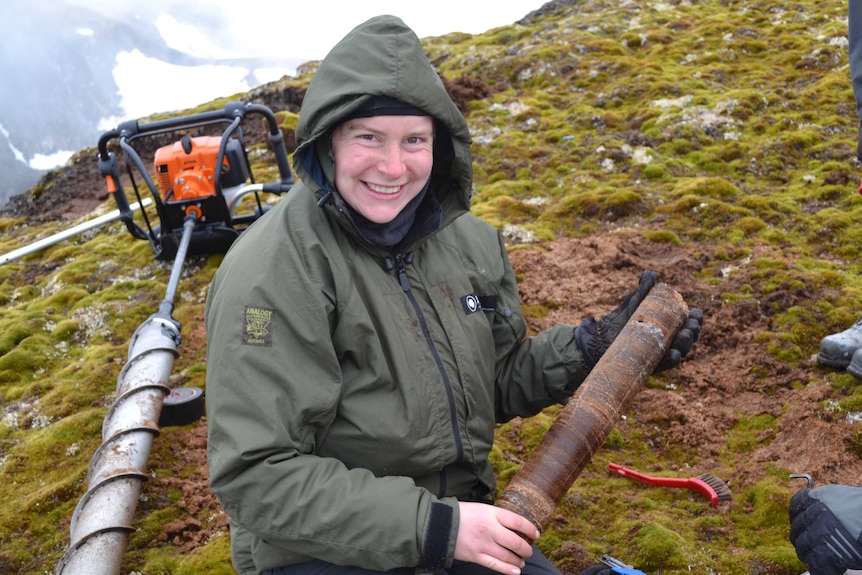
[[401, 273]]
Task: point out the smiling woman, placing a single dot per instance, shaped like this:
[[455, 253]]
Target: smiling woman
[[383, 162], [355, 438]]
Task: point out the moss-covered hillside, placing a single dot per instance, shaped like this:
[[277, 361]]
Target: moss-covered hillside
[[719, 133]]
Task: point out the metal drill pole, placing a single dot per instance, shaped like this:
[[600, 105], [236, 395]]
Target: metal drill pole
[[102, 520], [66, 234]]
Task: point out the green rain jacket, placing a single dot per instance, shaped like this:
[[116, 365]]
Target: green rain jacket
[[352, 391]]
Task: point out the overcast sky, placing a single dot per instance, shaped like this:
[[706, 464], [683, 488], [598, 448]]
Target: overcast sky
[[301, 31], [266, 28], [310, 28]]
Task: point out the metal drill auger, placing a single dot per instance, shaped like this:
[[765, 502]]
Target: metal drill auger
[[102, 520], [203, 180]]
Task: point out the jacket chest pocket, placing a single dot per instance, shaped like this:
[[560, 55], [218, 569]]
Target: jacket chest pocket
[[467, 320]]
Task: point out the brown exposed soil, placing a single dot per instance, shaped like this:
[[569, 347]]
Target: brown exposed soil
[[717, 385]]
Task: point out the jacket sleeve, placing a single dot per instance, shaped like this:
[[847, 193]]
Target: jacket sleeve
[[536, 371], [273, 386]]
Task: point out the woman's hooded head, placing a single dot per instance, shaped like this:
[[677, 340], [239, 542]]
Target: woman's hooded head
[[378, 68]]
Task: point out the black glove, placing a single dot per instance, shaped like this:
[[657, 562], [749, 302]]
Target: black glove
[[682, 342], [825, 528], [595, 337]]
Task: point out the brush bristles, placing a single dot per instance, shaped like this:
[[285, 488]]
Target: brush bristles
[[720, 487]]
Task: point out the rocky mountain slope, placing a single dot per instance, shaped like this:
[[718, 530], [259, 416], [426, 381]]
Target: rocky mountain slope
[[712, 141], [58, 60]]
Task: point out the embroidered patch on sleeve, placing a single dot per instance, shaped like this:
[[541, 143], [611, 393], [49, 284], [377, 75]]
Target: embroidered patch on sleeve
[[257, 329]]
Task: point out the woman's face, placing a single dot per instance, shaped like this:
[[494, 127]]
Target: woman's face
[[382, 162]]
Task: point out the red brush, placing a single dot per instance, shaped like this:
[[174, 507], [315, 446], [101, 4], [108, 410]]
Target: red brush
[[707, 484]]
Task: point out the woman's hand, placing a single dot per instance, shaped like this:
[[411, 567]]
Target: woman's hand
[[492, 537]]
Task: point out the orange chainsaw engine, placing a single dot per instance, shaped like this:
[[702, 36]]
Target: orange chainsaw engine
[[186, 170], [202, 186]]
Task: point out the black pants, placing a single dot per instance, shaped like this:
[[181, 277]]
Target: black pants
[[538, 564]]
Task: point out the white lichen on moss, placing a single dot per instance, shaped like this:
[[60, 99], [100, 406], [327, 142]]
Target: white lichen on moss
[[92, 321], [518, 233]]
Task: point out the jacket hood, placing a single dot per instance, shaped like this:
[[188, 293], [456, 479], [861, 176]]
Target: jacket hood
[[383, 56]]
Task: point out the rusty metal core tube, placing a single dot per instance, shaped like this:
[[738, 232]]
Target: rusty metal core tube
[[585, 421]]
